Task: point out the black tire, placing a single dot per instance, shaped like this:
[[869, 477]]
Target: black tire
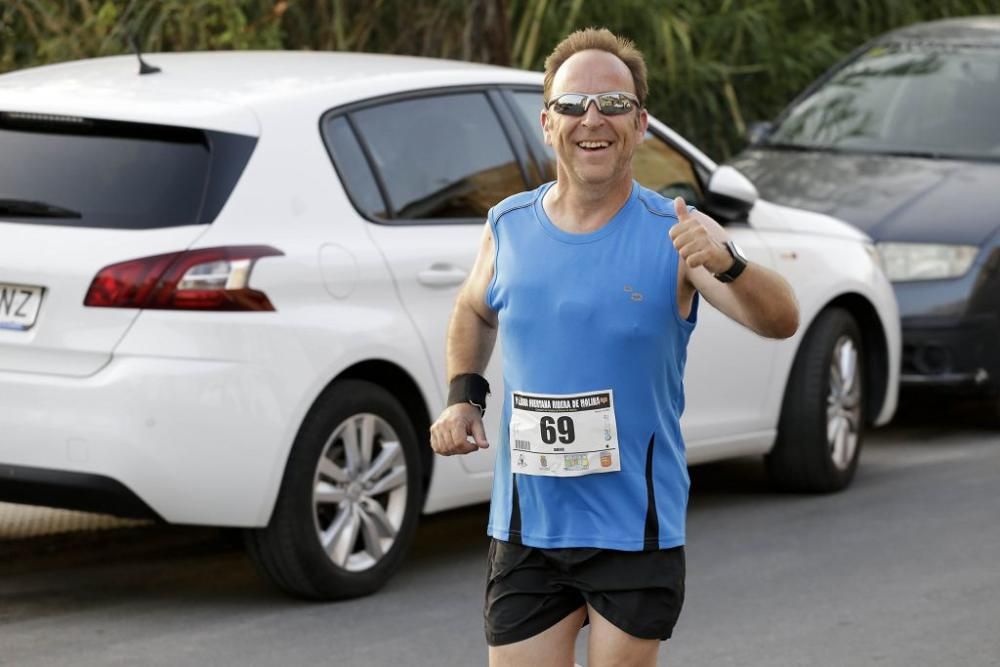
[[805, 458], [290, 552]]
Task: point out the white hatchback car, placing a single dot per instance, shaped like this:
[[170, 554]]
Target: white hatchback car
[[224, 290]]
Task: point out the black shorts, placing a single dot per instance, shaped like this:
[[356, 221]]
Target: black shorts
[[529, 590]]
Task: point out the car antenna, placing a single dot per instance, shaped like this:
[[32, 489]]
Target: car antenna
[[144, 67]]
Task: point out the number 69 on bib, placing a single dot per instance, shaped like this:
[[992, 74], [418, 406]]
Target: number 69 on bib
[[563, 435]]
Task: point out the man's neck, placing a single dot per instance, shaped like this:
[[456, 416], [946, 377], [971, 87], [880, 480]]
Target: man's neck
[[580, 208]]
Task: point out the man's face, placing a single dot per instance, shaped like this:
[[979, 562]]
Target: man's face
[[593, 149]]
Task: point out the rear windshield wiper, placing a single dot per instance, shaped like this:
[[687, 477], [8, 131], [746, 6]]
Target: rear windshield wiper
[[24, 208]]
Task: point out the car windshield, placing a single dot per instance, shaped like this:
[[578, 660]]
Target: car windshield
[[912, 99]]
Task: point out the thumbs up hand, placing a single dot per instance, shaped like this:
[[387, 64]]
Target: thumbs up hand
[[699, 240]]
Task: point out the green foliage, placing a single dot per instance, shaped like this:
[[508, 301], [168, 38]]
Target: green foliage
[[35, 32], [714, 65]]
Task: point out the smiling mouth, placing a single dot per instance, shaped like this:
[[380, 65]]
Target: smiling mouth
[[593, 146]]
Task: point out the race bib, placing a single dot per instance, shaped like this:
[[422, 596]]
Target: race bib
[[565, 435]]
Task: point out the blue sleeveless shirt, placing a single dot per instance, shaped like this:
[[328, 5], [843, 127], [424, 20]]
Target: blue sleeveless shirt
[[589, 312]]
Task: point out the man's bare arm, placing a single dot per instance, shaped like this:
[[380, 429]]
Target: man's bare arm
[[760, 299], [473, 327], [472, 333]]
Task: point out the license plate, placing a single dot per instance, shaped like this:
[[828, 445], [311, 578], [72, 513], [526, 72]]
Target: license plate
[[19, 306]]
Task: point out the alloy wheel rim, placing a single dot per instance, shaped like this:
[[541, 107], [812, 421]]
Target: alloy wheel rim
[[843, 406], [359, 492]]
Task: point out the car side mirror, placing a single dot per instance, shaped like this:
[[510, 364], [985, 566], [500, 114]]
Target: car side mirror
[[730, 195], [758, 130]]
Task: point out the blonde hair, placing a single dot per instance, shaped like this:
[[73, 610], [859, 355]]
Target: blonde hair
[[600, 39]]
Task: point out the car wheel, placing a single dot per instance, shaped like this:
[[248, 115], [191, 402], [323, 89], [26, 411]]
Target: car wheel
[[347, 510], [822, 418]]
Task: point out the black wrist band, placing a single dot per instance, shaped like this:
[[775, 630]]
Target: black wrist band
[[469, 388]]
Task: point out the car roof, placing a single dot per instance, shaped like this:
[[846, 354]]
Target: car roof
[[230, 90], [970, 30]]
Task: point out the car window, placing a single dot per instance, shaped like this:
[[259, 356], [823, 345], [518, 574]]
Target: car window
[[909, 98], [353, 168], [529, 107], [92, 173], [661, 167], [656, 164], [445, 156], [529, 104]]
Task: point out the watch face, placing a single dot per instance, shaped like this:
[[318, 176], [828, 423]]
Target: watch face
[[738, 251]]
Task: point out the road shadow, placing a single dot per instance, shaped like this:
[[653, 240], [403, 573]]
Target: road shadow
[[936, 414], [196, 565], [197, 568], [920, 420], [461, 531], [192, 563]]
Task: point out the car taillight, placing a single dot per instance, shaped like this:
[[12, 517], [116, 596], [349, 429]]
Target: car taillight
[[204, 279]]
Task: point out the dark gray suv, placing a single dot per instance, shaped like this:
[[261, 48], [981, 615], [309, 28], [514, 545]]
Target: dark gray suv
[[902, 139]]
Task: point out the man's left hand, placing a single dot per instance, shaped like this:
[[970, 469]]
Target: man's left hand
[[699, 240]]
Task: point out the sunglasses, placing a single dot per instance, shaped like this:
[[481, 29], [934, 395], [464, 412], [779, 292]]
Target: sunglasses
[[609, 104]]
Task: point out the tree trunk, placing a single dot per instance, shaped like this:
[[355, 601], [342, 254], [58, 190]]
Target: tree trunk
[[487, 32]]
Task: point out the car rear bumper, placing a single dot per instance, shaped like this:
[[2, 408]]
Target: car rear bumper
[[188, 441], [71, 490]]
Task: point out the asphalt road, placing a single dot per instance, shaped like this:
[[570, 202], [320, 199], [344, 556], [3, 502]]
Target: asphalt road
[[902, 569]]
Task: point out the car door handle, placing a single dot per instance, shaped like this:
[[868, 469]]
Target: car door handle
[[442, 275]]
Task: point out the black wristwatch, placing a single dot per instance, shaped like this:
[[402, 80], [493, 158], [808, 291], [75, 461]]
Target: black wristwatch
[[739, 264]]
